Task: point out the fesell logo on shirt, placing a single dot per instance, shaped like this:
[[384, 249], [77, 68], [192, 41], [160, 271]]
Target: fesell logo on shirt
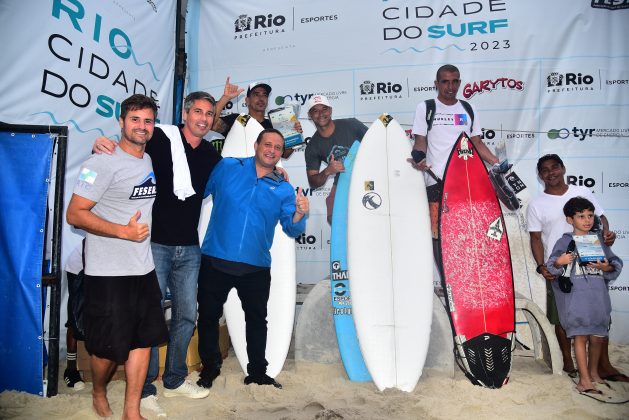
[[146, 189]]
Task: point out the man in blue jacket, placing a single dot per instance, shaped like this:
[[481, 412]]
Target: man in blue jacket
[[249, 197]]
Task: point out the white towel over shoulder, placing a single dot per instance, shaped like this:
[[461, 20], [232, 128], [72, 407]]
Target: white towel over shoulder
[[182, 183]]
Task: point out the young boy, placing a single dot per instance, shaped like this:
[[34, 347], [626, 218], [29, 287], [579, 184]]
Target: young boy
[[584, 311]]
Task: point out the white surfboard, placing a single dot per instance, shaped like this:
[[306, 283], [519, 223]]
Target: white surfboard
[[281, 305], [390, 259]]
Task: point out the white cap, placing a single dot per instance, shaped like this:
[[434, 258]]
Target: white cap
[[318, 100], [254, 85]]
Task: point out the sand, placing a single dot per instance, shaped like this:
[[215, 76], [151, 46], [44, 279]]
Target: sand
[[320, 391]]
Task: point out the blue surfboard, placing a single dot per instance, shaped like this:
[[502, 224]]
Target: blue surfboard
[[341, 300]]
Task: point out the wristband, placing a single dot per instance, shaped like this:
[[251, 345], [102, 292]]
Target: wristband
[[539, 268], [418, 155]]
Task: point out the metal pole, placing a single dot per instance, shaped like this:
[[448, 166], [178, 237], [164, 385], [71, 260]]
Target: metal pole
[[55, 281], [179, 52]]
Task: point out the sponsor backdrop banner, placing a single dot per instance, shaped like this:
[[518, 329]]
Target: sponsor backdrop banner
[[545, 77], [72, 62]]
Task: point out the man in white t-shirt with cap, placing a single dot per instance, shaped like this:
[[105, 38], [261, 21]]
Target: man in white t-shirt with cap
[[330, 144]]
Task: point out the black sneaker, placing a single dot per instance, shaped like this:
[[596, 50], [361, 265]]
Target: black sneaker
[[263, 379], [73, 379], [207, 376]]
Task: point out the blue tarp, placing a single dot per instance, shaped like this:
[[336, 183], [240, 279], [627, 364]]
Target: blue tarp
[[24, 171]]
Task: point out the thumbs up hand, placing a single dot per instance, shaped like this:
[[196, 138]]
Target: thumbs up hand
[[135, 231], [301, 203]]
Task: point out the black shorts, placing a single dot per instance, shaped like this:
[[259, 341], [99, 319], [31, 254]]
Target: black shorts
[[71, 322], [434, 193], [121, 314], [551, 306]]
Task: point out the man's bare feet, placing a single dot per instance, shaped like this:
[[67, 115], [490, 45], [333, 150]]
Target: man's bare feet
[[591, 391], [568, 365], [584, 385], [615, 377], [136, 416], [101, 405], [596, 379]]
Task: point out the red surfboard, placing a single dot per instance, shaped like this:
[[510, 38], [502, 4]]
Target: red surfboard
[[477, 275]]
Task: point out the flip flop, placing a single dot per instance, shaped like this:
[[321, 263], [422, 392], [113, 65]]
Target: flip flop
[[605, 384], [591, 391], [616, 377], [610, 397], [572, 373]]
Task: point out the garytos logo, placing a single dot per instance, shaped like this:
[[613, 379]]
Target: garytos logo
[[569, 82], [146, 189], [246, 26], [370, 91], [489, 85]]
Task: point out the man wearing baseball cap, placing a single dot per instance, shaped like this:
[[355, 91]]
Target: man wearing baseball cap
[[257, 100], [330, 144]]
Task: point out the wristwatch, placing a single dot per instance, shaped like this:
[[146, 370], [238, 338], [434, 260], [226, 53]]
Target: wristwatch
[[539, 268]]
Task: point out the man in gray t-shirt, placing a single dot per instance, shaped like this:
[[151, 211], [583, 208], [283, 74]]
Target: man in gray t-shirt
[[112, 202], [330, 144], [122, 186]]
